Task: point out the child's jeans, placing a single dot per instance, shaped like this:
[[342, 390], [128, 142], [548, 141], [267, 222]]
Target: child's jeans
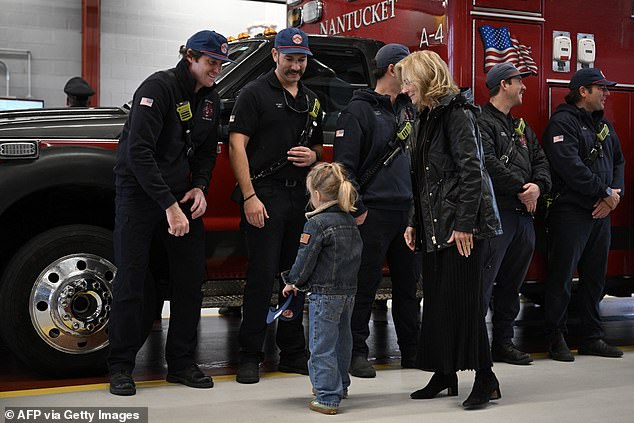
[[330, 342]]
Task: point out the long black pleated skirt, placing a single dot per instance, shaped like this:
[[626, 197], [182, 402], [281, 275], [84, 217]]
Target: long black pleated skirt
[[453, 333]]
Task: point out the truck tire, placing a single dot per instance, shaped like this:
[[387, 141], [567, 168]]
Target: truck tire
[[55, 299]]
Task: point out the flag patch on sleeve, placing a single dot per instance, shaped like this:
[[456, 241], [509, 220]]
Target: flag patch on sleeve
[[339, 133], [304, 238], [558, 138], [145, 101]]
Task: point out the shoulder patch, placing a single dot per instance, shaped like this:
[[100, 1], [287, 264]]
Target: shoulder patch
[[339, 133], [146, 101], [558, 138], [304, 239]]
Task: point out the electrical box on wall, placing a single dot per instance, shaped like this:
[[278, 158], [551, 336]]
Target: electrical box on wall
[[586, 51], [562, 51]]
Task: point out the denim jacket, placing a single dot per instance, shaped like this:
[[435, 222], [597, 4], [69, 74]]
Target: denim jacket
[[329, 253]]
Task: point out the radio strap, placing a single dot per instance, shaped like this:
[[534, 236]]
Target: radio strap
[[597, 149], [518, 132], [304, 139]]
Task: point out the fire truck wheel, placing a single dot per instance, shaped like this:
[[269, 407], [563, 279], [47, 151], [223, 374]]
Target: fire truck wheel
[[55, 301]]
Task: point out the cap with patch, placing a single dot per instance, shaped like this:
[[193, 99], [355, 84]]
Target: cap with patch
[[504, 71], [589, 76], [292, 41], [78, 87], [390, 54], [211, 44], [292, 308]]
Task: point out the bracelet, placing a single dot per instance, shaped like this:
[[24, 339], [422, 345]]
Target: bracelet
[[248, 198]]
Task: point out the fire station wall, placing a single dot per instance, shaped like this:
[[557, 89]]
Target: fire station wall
[[51, 31], [139, 37]]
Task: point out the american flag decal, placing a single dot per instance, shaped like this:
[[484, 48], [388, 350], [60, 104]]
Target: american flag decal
[[500, 47]]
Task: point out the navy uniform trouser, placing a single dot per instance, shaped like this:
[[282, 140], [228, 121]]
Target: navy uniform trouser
[[507, 258], [138, 219], [272, 249], [576, 241], [382, 235]]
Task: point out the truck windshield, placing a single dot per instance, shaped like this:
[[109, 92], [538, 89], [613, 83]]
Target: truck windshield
[[238, 52]]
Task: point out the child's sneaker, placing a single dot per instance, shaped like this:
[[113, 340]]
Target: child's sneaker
[[322, 408]]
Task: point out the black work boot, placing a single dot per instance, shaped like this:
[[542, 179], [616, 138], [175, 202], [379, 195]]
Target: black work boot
[[190, 376], [121, 383], [601, 348], [297, 364], [408, 361], [559, 349], [248, 372], [507, 352], [361, 367]]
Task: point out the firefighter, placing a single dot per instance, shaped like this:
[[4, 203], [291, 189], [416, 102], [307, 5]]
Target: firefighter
[[520, 174], [588, 175], [275, 136], [366, 129], [78, 92], [164, 162]]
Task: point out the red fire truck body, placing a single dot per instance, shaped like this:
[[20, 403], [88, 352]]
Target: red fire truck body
[[453, 29]]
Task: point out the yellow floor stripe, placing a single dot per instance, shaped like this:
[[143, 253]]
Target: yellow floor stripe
[[222, 378], [104, 386]]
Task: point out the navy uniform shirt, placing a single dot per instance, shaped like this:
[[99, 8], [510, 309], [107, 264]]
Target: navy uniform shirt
[[152, 154], [273, 120], [365, 128], [568, 139]]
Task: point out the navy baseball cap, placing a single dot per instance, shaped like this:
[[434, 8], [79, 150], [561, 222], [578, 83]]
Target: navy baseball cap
[[78, 87], [390, 54], [292, 41], [292, 308], [503, 71], [210, 43], [589, 76]]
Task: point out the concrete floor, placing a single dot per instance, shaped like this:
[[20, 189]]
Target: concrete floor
[[592, 389]]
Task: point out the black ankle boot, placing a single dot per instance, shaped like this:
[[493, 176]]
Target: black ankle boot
[[485, 388], [437, 383]]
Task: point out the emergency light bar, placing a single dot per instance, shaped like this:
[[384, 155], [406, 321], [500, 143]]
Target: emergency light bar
[[311, 12]]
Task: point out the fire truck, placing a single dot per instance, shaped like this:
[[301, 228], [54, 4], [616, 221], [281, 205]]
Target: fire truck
[[553, 38], [57, 202]]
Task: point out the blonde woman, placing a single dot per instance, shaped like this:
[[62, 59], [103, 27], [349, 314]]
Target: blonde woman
[[454, 214]]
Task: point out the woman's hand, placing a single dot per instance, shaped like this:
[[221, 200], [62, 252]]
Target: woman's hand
[[464, 242], [410, 237]]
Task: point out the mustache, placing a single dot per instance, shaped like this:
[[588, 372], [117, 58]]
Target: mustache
[[292, 72]]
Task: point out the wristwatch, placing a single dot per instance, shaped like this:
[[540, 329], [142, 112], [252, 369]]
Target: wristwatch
[[608, 191]]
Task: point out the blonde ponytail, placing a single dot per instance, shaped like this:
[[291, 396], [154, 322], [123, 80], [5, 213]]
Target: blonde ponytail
[[332, 183]]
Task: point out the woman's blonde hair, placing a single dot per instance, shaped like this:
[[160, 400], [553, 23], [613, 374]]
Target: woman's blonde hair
[[429, 73], [333, 185]]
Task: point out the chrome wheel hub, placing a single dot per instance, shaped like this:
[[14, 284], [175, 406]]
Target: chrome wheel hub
[[70, 303]]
